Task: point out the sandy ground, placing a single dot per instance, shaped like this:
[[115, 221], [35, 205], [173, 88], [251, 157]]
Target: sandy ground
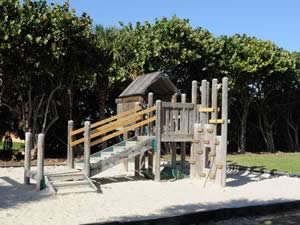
[[125, 197]]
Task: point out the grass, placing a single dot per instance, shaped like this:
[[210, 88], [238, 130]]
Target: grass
[[16, 146], [283, 162]]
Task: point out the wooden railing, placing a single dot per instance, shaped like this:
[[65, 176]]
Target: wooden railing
[[177, 121], [115, 125]]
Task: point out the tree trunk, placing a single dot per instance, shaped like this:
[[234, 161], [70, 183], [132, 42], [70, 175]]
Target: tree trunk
[[242, 143]]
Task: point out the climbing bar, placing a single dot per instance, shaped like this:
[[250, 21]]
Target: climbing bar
[[206, 109], [217, 121], [110, 136]]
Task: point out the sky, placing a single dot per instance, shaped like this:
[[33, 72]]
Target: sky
[[275, 20]]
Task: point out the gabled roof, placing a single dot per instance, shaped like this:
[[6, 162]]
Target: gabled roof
[[156, 82]]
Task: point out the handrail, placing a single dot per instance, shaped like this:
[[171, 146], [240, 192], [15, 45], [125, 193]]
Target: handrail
[[127, 120], [101, 122], [137, 125]]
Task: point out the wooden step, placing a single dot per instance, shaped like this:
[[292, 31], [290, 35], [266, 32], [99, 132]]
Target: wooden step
[[70, 183], [65, 177], [118, 149], [106, 154], [95, 159], [73, 189], [131, 143]]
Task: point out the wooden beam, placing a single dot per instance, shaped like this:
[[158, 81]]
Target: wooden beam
[[177, 105], [123, 131]]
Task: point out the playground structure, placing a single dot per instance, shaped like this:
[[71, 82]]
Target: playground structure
[[165, 124]]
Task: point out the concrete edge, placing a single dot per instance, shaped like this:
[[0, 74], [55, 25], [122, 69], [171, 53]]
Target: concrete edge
[[214, 215]]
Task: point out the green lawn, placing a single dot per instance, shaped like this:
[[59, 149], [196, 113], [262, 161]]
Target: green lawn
[[16, 146], [283, 162]]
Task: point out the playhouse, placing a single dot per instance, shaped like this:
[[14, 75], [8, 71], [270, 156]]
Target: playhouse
[[158, 116]]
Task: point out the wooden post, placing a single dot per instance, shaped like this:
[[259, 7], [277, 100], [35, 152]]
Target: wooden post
[[87, 148], [194, 101], [173, 144], [150, 132], [40, 162], [203, 115], [27, 157], [183, 144], [158, 140], [70, 157], [214, 116], [198, 128], [125, 162], [224, 129]]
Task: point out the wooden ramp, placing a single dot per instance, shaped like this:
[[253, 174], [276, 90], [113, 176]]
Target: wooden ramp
[[116, 154]]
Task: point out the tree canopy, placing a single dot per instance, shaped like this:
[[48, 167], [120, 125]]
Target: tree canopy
[[55, 65]]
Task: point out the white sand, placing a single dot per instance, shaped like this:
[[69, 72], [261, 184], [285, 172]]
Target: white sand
[[127, 199]]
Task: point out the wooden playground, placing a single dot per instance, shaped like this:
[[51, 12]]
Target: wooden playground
[[152, 117]]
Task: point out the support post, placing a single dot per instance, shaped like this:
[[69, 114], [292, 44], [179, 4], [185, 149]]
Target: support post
[[40, 162], [183, 144], [150, 132], [173, 144], [158, 140], [214, 116], [224, 129], [194, 101], [70, 157], [87, 148], [27, 157], [125, 162]]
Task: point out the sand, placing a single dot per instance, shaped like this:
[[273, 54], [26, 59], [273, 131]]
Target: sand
[[127, 198]]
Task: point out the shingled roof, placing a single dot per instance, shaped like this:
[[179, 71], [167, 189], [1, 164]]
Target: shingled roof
[[156, 82]]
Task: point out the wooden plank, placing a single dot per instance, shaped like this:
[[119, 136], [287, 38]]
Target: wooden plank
[[158, 140], [27, 157], [123, 131], [116, 124], [177, 105], [70, 153], [110, 119], [177, 137]]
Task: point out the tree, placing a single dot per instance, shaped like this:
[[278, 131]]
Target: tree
[[50, 46], [251, 63]]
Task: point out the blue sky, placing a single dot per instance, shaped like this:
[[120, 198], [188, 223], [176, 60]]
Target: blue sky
[[276, 20]]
